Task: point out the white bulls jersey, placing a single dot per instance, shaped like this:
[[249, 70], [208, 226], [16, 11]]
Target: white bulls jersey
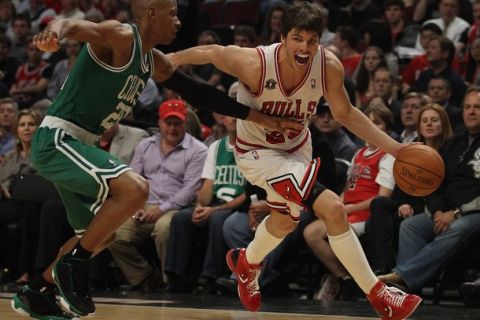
[[299, 104], [280, 164]]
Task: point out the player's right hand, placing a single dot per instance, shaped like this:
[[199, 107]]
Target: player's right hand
[[47, 41]]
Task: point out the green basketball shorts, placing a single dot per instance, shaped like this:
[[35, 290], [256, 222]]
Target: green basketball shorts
[[79, 171]]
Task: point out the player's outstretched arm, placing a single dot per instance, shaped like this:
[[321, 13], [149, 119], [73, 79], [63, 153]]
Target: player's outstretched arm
[[348, 115], [204, 96], [234, 60], [109, 34]]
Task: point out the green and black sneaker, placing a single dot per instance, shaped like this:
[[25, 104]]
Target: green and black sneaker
[[39, 305], [71, 277]]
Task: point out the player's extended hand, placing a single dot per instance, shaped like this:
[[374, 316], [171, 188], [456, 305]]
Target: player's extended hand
[[47, 41], [286, 126], [400, 146]]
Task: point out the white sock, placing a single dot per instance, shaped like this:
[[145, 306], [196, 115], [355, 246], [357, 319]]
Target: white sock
[[348, 250], [263, 243]]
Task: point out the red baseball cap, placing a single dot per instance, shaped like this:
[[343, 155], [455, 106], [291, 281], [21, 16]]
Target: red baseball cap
[[172, 108], [45, 20]]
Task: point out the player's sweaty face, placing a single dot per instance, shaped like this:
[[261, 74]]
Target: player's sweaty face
[[302, 45]]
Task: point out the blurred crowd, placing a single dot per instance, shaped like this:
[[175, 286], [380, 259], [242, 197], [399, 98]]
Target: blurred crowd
[[412, 66]]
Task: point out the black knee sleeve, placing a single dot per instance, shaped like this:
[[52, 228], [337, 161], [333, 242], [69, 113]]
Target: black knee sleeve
[[317, 189]]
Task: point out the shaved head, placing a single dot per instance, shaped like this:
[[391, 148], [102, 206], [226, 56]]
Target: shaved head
[[157, 21]]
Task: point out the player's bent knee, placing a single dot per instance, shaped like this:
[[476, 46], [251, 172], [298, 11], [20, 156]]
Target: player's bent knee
[[135, 190], [332, 210], [336, 210]]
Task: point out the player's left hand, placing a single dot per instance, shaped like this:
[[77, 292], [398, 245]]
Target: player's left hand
[[400, 146], [47, 41], [286, 126]]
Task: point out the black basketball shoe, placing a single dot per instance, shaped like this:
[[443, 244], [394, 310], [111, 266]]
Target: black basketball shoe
[[39, 305], [71, 277]]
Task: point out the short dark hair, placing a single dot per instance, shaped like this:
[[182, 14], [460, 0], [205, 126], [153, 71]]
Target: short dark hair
[[246, 31], [445, 80], [392, 77], [349, 34], [424, 99], [446, 45], [432, 27], [473, 89], [394, 3], [380, 34], [212, 34], [381, 112], [22, 17], [303, 16]]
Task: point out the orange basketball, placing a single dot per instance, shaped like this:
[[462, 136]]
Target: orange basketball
[[418, 170]]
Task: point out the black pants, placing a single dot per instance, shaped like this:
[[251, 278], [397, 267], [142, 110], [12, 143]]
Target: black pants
[[26, 215], [54, 232], [187, 239], [382, 233]]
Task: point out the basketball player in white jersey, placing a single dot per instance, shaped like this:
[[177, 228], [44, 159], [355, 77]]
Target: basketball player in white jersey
[[287, 80]]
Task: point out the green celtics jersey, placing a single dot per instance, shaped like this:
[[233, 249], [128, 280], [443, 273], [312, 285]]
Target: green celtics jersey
[[95, 95], [229, 181]]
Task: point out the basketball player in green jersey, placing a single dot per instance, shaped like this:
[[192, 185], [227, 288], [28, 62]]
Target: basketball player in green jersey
[[99, 192]]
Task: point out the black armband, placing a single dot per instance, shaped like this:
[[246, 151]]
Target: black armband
[[317, 189], [203, 96]]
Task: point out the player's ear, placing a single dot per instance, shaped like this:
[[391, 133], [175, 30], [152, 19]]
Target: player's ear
[[151, 12]]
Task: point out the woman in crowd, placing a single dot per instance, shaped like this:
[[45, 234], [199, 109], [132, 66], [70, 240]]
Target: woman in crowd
[[471, 72], [433, 127], [372, 58], [377, 33], [273, 23], [25, 213]]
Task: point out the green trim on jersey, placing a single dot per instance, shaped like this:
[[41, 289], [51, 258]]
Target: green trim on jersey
[[95, 95], [229, 182]]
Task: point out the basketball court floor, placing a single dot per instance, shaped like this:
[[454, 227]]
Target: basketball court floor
[[131, 306]]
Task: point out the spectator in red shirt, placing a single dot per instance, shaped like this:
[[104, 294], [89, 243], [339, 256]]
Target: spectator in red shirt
[[31, 79], [418, 64], [346, 40]]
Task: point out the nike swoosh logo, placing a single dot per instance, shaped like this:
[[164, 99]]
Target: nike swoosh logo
[[242, 280], [389, 311]]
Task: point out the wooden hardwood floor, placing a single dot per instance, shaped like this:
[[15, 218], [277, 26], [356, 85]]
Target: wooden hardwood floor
[[128, 312]]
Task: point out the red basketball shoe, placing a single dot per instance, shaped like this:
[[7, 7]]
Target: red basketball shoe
[[392, 303], [247, 278]]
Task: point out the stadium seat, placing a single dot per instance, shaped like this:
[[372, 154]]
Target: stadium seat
[[236, 12], [210, 12]]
